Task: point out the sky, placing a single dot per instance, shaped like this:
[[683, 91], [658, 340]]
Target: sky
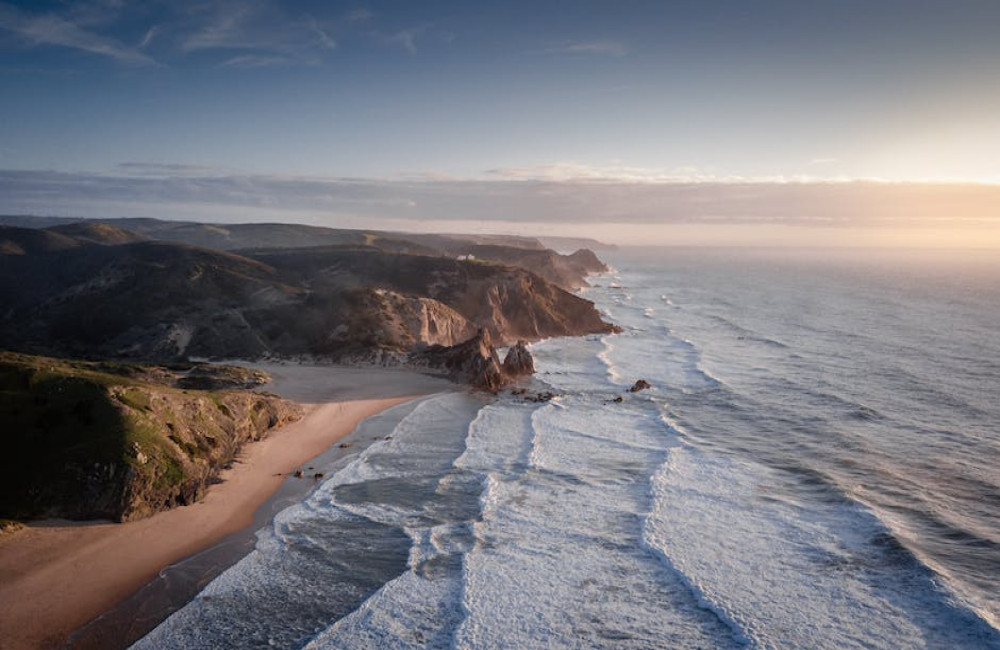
[[827, 122]]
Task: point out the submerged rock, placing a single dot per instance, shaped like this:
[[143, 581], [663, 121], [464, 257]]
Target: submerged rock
[[537, 398], [640, 384]]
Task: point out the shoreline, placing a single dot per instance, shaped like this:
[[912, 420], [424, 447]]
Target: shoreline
[[58, 576]]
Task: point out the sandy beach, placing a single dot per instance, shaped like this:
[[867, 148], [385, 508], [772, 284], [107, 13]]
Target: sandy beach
[[55, 576]]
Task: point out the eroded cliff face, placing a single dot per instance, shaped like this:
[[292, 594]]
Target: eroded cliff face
[[516, 305], [388, 319], [116, 441]]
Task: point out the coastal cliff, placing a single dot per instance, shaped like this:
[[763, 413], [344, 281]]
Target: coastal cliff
[[121, 441], [101, 292]]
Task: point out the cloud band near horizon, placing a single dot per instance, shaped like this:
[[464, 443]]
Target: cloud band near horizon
[[176, 191]]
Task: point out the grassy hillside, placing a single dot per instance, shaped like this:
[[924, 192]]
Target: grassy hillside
[[88, 440]]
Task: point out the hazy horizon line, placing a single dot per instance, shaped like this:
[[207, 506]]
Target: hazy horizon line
[[688, 211]]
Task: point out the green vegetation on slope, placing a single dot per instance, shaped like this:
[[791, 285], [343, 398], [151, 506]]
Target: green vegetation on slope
[[119, 441]]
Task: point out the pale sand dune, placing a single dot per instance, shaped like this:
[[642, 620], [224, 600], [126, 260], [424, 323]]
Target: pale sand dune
[[57, 576]]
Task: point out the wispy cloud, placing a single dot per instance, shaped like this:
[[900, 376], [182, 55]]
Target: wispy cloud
[[149, 36], [55, 30], [404, 38], [94, 13], [261, 30], [600, 48], [166, 169], [324, 39], [261, 61], [225, 25], [235, 33], [572, 172], [358, 16], [824, 161]]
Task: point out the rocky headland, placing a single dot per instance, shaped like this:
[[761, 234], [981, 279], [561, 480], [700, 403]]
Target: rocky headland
[[101, 440]]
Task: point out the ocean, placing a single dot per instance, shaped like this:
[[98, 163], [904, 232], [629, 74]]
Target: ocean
[[815, 465]]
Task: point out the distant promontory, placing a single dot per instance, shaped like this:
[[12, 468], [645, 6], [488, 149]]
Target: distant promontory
[[161, 291]]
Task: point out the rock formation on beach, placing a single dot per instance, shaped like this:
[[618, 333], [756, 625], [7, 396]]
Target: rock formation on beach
[[475, 361], [519, 361]]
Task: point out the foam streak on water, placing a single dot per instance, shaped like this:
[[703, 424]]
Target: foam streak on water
[[558, 559]]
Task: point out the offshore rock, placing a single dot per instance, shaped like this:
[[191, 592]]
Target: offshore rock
[[518, 361], [640, 384]]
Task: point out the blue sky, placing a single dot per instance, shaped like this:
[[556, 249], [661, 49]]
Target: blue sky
[[479, 111]]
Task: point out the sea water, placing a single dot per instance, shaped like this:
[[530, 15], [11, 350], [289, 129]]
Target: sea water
[[815, 466]]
